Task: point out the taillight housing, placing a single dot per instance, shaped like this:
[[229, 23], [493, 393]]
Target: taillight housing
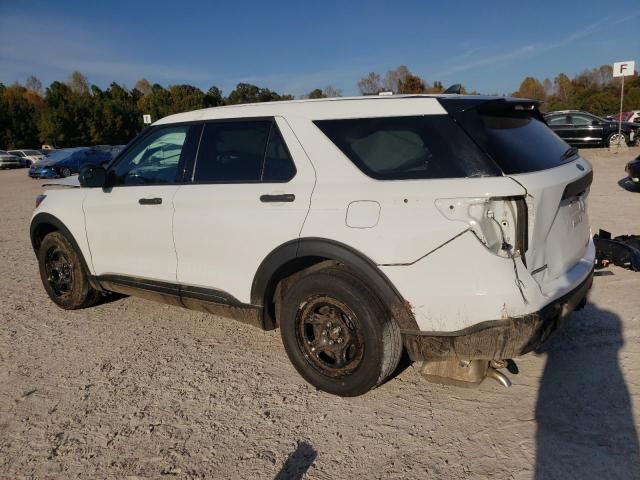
[[500, 223]]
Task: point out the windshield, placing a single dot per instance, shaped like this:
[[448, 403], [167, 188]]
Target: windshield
[[2, 152], [62, 154]]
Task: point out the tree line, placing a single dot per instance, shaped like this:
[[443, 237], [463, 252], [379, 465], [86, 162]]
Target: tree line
[[74, 112]]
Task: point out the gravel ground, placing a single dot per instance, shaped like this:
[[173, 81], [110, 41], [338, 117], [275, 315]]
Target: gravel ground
[[135, 389]]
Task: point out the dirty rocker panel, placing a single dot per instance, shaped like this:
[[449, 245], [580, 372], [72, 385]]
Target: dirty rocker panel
[[497, 339], [202, 299]]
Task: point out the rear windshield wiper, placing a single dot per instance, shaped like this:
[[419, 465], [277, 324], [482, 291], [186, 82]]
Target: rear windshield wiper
[[571, 152]]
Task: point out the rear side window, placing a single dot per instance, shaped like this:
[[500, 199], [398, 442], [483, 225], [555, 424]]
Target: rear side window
[[243, 152], [416, 147]]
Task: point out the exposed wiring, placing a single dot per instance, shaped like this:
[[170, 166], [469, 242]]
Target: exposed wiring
[[509, 249]]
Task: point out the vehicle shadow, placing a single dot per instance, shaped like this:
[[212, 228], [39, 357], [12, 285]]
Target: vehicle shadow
[[298, 462], [585, 422], [109, 298], [628, 185]]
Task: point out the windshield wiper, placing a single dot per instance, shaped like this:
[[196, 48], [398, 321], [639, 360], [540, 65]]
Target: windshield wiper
[[571, 152]]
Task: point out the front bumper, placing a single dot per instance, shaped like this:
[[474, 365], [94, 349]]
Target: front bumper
[[498, 339], [42, 173]]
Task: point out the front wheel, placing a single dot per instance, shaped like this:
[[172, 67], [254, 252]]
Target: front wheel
[[337, 334], [65, 172], [616, 139], [63, 275]]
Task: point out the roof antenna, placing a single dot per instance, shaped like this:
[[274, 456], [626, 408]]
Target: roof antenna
[[456, 89]]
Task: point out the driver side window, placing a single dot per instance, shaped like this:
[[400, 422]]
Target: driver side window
[[154, 161]]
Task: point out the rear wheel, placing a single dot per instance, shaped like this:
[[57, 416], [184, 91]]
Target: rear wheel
[[65, 172], [63, 275], [616, 139], [337, 333]]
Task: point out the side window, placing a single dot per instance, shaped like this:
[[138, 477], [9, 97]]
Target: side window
[[243, 152], [394, 148], [278, 164], [154, 160], [557, 120], [580, 120]]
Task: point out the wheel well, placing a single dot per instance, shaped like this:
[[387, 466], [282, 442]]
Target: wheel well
[[281, 279], [41, 231], [288, 262]]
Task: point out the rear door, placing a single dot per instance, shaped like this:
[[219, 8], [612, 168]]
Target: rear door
[[555, 177], [250, 193], [586, 129]]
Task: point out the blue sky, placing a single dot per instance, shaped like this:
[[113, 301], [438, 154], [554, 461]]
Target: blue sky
[[295, 46]]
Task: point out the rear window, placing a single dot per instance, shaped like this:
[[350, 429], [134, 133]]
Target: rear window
[[519, 142], [416, 147]]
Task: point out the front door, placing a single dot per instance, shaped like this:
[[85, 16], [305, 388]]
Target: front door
[[250, 193], [129, 224]]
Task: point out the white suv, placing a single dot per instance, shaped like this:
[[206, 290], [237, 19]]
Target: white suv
[[29, 157], [451, 227]]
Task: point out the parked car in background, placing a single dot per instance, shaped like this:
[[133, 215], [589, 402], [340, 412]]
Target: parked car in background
[[454, 227], [583, 128], [633, 116], [8, 160], [63, 163], [29, 157], [633, 170]]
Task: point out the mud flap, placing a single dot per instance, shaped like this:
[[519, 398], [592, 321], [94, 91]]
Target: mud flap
[[623, 250]]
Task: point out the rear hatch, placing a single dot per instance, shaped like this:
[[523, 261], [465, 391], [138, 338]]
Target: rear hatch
[[514, 135]]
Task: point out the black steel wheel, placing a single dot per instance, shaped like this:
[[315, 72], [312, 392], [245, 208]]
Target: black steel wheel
[[63, 274], [59, 271], [337, 333], [329, 334]]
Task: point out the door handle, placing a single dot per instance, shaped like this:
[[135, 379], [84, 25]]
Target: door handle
[[150, 201], [284, 197]]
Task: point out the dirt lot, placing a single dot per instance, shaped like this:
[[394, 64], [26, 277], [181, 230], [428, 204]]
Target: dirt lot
[[134, 389]]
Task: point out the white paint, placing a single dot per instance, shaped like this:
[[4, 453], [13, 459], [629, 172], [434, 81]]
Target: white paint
[[217, 235], [362, 214]]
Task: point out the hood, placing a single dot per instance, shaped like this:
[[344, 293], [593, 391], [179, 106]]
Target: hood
[[51, 162], [71, 181]]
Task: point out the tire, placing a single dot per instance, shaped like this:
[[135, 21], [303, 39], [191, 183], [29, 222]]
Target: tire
[[62, 273], [612, 139], [337, 333], [65, 172]]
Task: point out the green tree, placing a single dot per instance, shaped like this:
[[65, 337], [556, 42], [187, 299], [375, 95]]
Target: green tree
[[19, 128], [412, 84]]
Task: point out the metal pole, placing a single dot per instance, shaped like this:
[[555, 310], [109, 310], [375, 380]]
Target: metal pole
[[620, 117]]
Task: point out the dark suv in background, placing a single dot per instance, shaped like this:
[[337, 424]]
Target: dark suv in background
[[582, 128]]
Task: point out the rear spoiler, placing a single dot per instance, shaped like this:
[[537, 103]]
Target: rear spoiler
[[455, 105]]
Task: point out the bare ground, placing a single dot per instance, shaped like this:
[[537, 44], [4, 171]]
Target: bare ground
[[134, 389]]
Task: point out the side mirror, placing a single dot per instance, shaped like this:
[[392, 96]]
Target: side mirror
[[92, 177]]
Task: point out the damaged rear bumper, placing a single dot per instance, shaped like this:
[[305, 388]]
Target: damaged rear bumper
[[497, 339]]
